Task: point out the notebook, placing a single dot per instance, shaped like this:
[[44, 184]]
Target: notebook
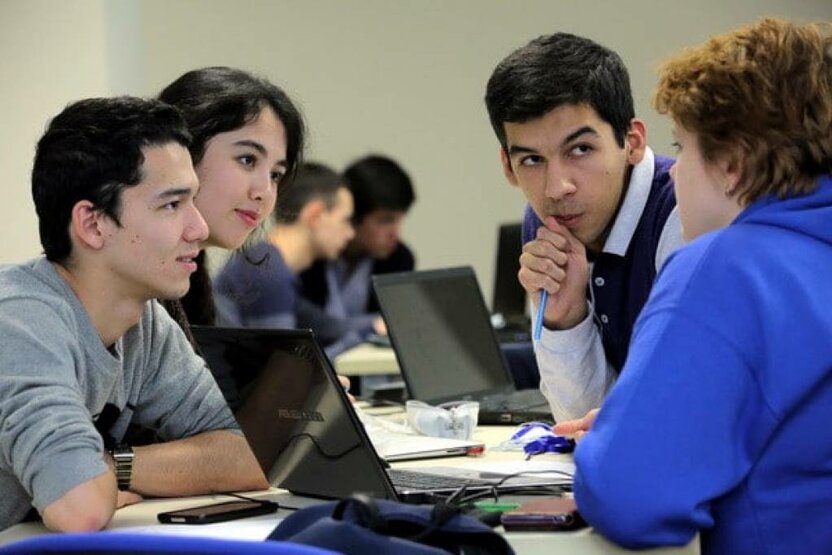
[[446, 348], [508, 304], [301, 426]]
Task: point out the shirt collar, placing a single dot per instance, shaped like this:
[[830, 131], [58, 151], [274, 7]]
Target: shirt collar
[[638, 191]]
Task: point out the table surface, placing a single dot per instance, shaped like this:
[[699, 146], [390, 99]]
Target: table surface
[[142, 516], [366, 360]]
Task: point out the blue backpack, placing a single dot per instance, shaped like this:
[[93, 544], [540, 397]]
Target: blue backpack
[[360, 525]]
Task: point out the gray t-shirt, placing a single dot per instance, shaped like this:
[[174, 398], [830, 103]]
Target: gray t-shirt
[[57, 380]]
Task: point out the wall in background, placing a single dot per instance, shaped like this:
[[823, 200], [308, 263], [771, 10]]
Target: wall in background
[[403, 78]]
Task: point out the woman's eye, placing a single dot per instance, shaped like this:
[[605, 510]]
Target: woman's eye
[[173, 205], [248, 160], [676, 146], [277, 177]]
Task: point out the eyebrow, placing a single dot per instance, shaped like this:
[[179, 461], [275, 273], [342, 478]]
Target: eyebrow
[[586, 129], [582, 131], [259, 148], [175, 192]]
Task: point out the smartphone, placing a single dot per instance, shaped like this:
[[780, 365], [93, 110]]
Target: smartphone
[[557, 513], [218, 512]]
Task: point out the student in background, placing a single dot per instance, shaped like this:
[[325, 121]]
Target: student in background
[[339, 303], [248, 142], [312, 221], [563, 113], [86, 348], [719, 422]]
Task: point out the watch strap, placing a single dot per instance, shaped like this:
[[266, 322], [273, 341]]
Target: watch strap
[[123, 464]]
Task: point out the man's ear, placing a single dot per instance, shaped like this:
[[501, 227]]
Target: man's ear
[[310, 213], [635, 141], [507, 169], [89, 225]]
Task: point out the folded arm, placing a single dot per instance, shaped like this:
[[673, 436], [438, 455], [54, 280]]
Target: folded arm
[[208, 462]]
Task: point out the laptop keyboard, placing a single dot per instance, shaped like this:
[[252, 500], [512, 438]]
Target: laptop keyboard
[[413, 479], [516, 400]]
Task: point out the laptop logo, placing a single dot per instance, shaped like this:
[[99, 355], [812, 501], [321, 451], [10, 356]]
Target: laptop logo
[[301, 415]]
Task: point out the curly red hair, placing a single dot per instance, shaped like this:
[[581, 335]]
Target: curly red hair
[[763, 93]]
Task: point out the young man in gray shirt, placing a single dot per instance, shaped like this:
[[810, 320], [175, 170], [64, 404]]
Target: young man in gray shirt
[[86, 348]]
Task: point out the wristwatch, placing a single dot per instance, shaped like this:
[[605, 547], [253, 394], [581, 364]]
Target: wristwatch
[[123, 462]]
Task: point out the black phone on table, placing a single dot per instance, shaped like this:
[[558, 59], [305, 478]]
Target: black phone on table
[[549, 514], [218, 512]]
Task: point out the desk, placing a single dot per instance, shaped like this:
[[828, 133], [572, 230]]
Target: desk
[[139, 517], [366, 360]]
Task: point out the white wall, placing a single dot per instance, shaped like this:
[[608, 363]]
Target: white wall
[[405, 78], [51, 52]]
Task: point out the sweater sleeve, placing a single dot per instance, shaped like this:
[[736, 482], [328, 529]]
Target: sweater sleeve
[[575, 375], [48, 439], [178, 396], [681, 427]]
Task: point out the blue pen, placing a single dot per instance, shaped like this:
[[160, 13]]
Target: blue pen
[[538, 324]]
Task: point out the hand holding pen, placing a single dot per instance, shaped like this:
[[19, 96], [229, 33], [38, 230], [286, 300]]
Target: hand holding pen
[[554, 263]]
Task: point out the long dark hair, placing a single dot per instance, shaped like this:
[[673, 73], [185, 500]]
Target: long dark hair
[[216, 100]]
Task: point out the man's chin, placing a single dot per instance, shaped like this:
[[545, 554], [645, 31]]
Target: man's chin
[[174, 294], [381, 254]]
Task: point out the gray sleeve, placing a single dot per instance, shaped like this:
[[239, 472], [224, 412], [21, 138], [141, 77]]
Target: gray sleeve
[[574, 373], [48, 440], [177, 395], [670, 239]]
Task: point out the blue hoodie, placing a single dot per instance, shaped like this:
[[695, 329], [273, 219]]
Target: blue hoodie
[[721, 422]]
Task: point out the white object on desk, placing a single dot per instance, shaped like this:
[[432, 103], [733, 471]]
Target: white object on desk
[[395, 441]]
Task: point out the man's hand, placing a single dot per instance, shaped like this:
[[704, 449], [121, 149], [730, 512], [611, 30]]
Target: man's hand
[[576, 428], [556, 261], [345, 383], [379, 326], [218, 460], [127, 498]]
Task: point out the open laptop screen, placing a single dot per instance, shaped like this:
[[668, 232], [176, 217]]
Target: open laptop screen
[[441, 332], [509, 296], [292, 411]]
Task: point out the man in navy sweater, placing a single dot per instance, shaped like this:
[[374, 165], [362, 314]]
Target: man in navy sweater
[[601, 217]]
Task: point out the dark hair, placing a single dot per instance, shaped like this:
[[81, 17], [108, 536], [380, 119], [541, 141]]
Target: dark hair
[[215, 100], [378, 183], [92, 151], [555, 70], [313, 181]]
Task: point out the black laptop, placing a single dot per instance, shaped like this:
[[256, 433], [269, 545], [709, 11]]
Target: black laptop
[[302, 428], [445, 345]]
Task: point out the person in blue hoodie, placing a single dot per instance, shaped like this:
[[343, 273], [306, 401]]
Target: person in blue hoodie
[[719, 423]]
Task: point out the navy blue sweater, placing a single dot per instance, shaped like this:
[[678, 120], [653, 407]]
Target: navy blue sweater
[[621, 285]]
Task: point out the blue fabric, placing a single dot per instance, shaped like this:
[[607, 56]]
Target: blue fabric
[[627, 280], [334, 330], [389, 528], [720, 419], [522, 364], [119, 542], [262, 290]]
